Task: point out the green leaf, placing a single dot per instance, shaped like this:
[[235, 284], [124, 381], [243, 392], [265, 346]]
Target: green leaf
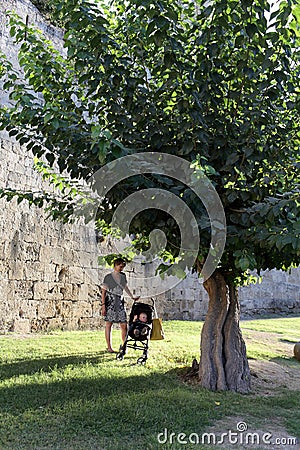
[[251, 29], [205, 82], [56, 123], [158, 38]]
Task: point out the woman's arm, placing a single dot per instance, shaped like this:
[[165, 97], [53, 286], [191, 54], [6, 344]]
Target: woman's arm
[[126, 288]]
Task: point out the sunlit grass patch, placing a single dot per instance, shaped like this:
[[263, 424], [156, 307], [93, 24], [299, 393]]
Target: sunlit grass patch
[[63, 391]]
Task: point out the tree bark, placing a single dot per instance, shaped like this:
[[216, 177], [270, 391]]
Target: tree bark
[[223, 362]]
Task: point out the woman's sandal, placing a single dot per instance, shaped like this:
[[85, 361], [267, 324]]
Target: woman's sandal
[[110, 350]]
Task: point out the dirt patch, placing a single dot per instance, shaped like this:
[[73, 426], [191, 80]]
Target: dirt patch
[[282, 372], [19, 336], [267, 376]]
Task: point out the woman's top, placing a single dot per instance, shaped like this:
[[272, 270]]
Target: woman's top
[[114, 287]]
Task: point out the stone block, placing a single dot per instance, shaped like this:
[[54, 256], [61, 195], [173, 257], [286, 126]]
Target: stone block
[[16, 271], [51, 255], [93, 276], [76, 275], [49, 272], [83, 291], [293, 278], [39, 324], [6, 325], [62, 273], [50, 239], [70, 324], [64, 309], [82, 309], [94, 290], [33, 271], [46, 255], [32, 232], [46, 309], [31, 251], [94, 323], [22, 326], [5, 290], [69, 257], [69, 291], [13, 179], [40, 290], [293, 292], [87, 259], [22, 289], [2, 246], [47, 291], [96, 308], [9, 309], [55, 324], [27, 309]]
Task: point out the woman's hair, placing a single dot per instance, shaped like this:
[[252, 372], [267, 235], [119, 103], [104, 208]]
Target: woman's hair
[[119, 261]]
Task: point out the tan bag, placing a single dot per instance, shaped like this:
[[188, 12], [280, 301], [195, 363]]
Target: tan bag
[[157, 333]]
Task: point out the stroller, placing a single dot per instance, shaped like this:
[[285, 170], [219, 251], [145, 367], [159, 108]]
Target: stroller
[[139, 331]]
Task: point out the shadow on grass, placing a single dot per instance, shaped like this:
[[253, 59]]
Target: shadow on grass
[[111, 410], [32, 366], [101, 412], [288, 361], [288, 341], [20, 398]]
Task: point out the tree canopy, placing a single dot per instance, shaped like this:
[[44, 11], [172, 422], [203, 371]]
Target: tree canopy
[[216, 83]]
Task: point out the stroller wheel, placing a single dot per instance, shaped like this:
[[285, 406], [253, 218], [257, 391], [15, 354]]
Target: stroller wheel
[[142, 360], [120, 356]]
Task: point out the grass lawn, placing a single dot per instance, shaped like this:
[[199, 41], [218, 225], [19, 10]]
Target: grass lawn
[[63, 391]]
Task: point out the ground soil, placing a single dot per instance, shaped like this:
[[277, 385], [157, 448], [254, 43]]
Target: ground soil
[[267, 376]]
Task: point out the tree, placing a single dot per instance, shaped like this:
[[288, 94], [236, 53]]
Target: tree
[[45, 7], [214, 83]]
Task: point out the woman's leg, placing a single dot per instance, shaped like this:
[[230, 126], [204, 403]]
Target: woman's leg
[[123, 326], [108, 326]]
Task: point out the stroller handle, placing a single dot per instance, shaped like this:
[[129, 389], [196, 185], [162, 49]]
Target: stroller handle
[[137, 301], [152, 300]]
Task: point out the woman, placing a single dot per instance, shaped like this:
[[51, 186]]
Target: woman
[[112, 305]]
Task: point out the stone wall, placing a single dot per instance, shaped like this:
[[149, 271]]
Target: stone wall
[[48, 271], [278, 293], [49, 277]]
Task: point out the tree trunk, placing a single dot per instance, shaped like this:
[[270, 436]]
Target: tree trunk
[[223, 362]]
